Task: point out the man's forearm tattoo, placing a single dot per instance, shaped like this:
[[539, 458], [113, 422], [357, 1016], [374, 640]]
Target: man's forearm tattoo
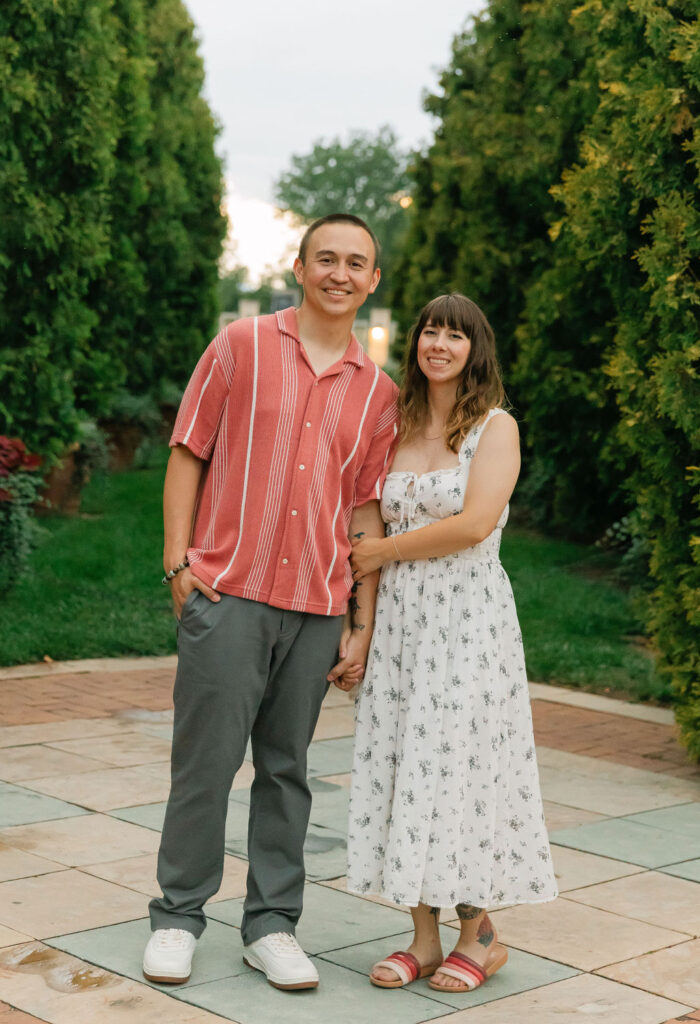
[[356, 536], [465, 912], [353, 603]]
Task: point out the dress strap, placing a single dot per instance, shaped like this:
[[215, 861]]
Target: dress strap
[[469, 444]]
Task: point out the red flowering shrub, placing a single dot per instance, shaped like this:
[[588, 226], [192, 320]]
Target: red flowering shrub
[[13, 457]]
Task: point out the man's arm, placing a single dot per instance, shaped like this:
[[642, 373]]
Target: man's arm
[[366, 521], [179, 498]]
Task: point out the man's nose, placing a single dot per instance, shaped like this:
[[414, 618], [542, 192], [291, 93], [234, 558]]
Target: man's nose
[[340, 272]]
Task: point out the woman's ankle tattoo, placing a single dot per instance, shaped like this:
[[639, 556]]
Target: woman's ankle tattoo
[[465, 912], [485, 934]]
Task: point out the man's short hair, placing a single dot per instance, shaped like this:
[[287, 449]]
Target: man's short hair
[[338, 218]]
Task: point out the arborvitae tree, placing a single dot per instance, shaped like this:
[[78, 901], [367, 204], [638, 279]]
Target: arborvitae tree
[[182, 226], [58, 122], [118, 295], [110, 209], [632, 224]]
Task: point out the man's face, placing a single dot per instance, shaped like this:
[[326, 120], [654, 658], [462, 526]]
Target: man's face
[[339, 271]]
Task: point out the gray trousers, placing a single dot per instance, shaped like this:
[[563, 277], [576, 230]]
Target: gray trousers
[[245, 670]]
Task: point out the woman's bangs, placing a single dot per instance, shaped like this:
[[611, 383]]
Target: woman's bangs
[[453, 312]]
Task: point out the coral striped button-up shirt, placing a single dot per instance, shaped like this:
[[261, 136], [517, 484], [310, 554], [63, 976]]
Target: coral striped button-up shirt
[[289, 455]]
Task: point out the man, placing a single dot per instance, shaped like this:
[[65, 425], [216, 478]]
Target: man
[[280, 449]]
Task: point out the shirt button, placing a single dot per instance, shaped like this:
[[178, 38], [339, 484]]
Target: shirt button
[[302, 466], [294, 511], [285, 561], [308, 423]]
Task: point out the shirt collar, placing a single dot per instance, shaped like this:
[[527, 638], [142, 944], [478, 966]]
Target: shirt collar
[[287, 323]]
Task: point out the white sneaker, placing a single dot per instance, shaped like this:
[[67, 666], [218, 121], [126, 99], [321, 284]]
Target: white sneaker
[[282, 960], [168, 955]]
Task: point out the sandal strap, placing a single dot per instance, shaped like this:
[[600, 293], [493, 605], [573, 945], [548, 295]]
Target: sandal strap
[[463, 975], [403, 964], [466, 962]]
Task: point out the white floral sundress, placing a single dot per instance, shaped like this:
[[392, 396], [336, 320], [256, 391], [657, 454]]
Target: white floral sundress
[[445, 802]]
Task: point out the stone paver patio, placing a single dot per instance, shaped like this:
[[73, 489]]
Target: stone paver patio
[[84, 776]]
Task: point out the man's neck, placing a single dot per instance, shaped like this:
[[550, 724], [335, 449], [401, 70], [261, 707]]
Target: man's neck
[[324, 331]]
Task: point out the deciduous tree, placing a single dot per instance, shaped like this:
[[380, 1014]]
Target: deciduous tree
[[365, 176]]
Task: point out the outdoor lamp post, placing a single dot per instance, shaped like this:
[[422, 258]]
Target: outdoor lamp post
[[378, 344]]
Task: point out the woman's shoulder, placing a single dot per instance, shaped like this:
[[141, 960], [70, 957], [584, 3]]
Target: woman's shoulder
[[496, 418], [497, 423], [501, 419]]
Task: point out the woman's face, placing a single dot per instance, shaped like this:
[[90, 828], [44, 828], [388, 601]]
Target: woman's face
[[442, 353]]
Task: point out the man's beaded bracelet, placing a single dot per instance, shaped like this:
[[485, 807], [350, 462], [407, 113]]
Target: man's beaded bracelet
[[172, 573]]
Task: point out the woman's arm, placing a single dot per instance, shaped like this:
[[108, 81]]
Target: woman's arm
[[492, 477]]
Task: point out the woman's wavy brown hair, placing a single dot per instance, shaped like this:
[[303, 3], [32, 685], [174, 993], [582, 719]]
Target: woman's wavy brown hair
[[480, 387]]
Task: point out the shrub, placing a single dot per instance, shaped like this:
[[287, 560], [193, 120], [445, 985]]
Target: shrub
[[631, 225], [110, 196], [58, 66], [20, 484]]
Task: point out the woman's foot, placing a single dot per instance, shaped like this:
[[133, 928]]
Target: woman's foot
[[481, 948]]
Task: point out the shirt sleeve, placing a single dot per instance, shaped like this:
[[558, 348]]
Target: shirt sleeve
[[380, 454], [204, 400]]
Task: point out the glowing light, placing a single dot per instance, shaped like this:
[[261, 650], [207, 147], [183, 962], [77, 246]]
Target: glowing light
[[378, 344], [405, 202]]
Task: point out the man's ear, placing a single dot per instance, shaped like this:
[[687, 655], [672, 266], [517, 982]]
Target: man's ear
[[376, 277], [298, 268]]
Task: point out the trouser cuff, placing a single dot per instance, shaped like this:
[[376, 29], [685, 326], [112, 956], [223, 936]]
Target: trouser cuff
[[162, 919], [266, 924]]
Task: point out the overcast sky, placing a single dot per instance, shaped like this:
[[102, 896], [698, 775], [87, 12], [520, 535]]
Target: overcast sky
[[282, 75]]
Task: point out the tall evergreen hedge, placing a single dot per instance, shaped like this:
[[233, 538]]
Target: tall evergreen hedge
[[182, 227], [631, 205], [110, 205], [58, 125], [561, 192]]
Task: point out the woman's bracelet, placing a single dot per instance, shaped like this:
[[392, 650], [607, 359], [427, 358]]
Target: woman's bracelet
[[172, 573], [396, 547]]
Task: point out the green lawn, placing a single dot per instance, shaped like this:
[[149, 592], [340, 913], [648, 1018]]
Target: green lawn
[[94, 587], [578, 626], [94, 590]]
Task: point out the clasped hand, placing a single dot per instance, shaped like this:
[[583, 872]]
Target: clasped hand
[[367, 556]]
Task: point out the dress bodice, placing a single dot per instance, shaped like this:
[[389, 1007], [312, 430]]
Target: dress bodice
[[410, 501]]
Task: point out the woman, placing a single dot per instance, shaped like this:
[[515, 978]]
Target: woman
[[445, 806]]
